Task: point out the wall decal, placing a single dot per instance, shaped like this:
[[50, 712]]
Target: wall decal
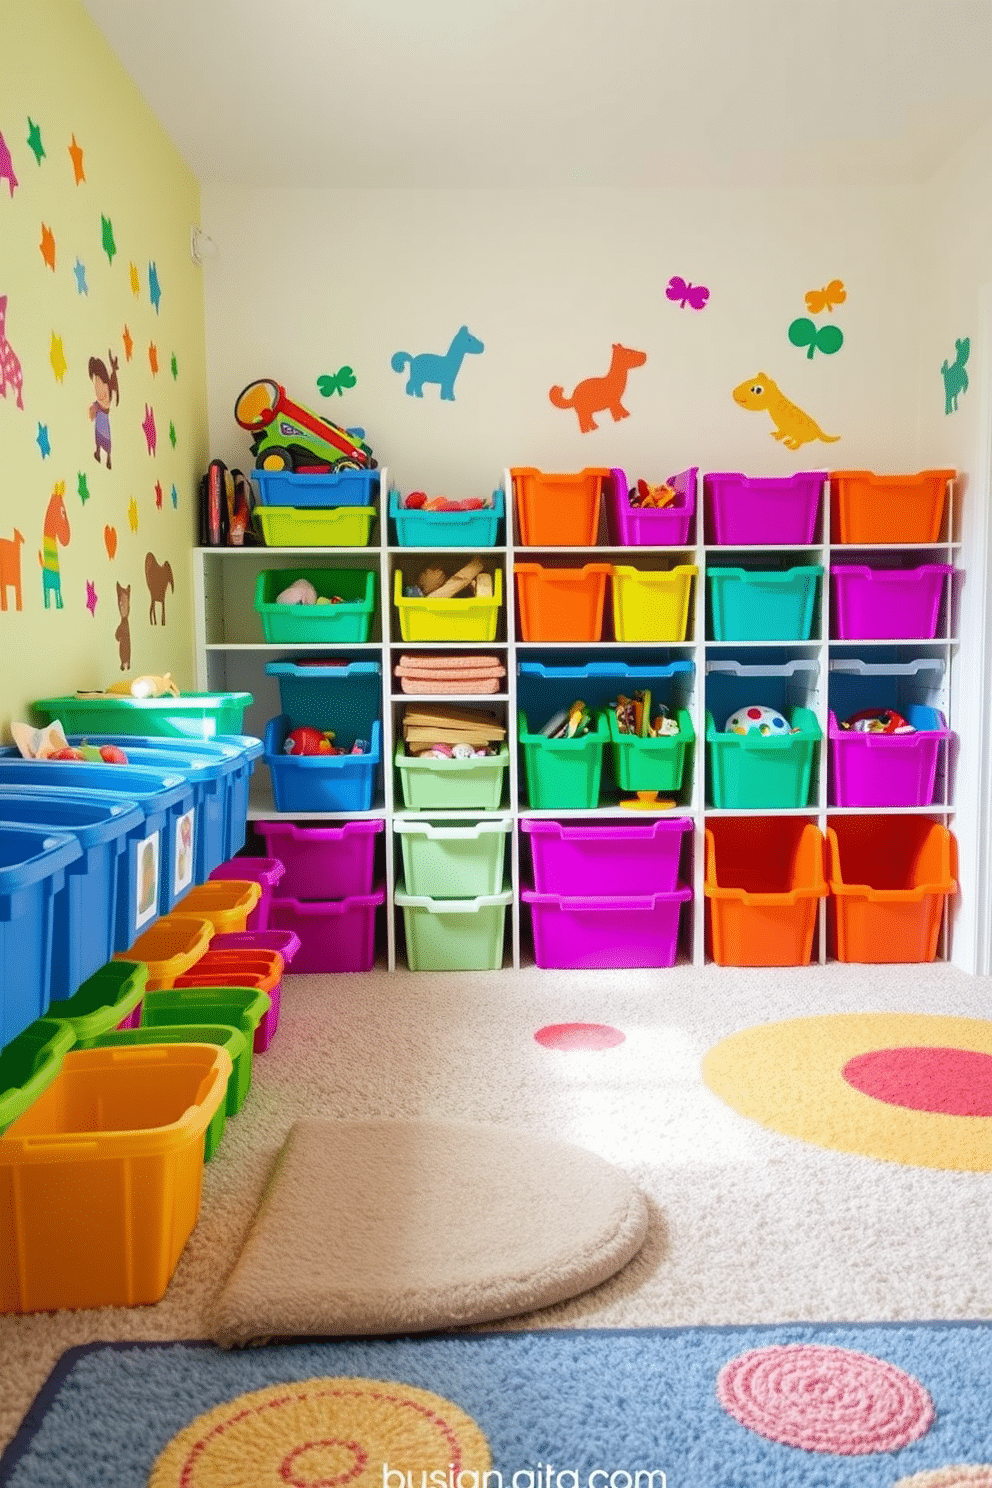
[[818, 300], [793, 427], [128, 340], [154, 288], [91, 598], [47, 246], [680, 289], [122, 635], [76, 155], [132, 515], [173, 436], [43, 442], [153, 358], [601, 394], [135, 280], [158, 577], [57, 358], [10, 364], [107, 238], [432, 367], [148, 426], [10, 568], [82, 487], [174, 366], [34, 140], [954, 375], [105, 389], [79, 269], [828, 338], [158, 495], [110, 541], [56, 531], [174, 494], [331, 383], [7, 167]]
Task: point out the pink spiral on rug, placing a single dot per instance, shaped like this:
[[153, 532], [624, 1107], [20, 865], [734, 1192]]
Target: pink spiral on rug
[[825, 1399]]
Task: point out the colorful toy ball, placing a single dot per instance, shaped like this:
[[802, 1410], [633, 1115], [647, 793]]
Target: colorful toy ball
[[878, 721], [756, 719], [309, 741]]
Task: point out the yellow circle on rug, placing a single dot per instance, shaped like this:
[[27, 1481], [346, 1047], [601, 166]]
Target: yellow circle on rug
[[323, 1433], [789, 1076]]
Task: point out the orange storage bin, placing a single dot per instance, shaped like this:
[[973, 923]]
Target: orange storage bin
[[764, 880], [225, 902], [561, 604], [100, 1177], [868, 508], [261, 969], [558, 511], [170, 947], [890, 878]]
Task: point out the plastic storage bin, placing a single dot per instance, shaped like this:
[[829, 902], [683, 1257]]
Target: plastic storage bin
[[309, 527], [453, 860], [764, 878], [763, 605], [322, 693], [226, 903], [266, 872], [563, 774], [868, 508], [890, 880], [652, 604], [287, 944], [651, 764], [887, 769], [100, 1178], [33, 864], [457, 619], [754, 510], [110, 997], [545, 689], [561, 604], [588, 859], [658, 527], [454, 934], [323, 862], [887, 603], [438, 529], [748, 771], [320, 782], [193, 715], [335, 935], [170, 947], [297, 625], [243, 1008], [452, 784], [332, 488], [593, 933], [29, 1064], [558, 510]]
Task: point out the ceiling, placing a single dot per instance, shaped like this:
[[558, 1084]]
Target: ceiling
[[556, 93]]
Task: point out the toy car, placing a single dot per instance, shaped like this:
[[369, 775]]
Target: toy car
[[288, 436]]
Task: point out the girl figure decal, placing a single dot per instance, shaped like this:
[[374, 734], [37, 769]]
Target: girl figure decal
[[105, 388]]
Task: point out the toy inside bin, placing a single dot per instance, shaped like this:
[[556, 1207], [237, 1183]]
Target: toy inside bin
[[764, 881], [651, 764], [651, 526], [349, 620], [563, 774], [321, 782], [890, 881], [869, 508], [452, 784], [754, 772], [417, 528], [877, 769], [558, 510], [33, 864], [193, 715]]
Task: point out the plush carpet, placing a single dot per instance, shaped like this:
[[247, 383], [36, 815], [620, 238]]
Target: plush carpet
[[406, 1226], [792, 1406]]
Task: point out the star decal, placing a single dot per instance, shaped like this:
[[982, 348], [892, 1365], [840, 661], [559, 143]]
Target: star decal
[[148, 425], [132, 514], [175, 367], [83, 487], [57, 358], [175, 498], [91, 598], [172, 434], [34, 140], [153, 358], [128, 344], [77, 161], [7, 166], [154, 288], [135, 281], [47, 246], [43, 441], [80, 273], [107, 238], [158, 495]]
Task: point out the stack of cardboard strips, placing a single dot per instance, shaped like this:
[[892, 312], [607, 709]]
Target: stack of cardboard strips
[[428, 724], [447, 674]]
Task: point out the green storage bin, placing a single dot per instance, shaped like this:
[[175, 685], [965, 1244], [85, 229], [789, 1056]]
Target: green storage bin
[[103, 1001], [315, 527], [306, 624], [454, 934], [192, 715], [563, 774], [452, 784], [748, 771], [233, 1007], [762, 605], [651, 764], [453, 860], [29, 1064]]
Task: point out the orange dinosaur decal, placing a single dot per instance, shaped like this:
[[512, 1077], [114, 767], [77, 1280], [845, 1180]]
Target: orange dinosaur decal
[[601, 394]]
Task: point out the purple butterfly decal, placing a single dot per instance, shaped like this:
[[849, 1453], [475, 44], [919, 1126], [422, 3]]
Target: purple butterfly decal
[[695, 295]]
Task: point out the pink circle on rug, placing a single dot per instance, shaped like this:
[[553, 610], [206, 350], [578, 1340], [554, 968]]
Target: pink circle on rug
[[571, 1037], [948, 1082], [825, 1399]]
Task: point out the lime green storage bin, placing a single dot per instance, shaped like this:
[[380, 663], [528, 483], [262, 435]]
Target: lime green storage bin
[[29, 1064], [453, 860], [456, 619], [452, 784], [651, 764], [748, 771], [563, 774], [299, 625], [103, 1001], [192, 715], [454, 934], [315, 527]]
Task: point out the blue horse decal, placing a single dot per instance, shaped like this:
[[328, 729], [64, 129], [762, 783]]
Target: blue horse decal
[[429, 366]]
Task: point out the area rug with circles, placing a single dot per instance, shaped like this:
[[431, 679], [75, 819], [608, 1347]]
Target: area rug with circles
[[884, 1405]]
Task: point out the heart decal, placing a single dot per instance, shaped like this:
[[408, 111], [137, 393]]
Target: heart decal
[[110, 540]]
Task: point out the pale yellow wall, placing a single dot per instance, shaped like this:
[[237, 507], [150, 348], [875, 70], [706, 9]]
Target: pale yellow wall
[[57, 71]]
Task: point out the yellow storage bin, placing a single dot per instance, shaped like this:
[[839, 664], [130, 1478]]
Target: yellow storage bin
[[169, 948], [100, 1178], [315, 527], [225, 902], [652, 604], [454, 619]]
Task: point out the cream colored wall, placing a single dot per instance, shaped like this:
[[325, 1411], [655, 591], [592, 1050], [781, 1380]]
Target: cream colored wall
[[57, 71]]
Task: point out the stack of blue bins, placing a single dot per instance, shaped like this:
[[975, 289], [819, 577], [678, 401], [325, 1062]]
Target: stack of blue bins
[[343, 698]]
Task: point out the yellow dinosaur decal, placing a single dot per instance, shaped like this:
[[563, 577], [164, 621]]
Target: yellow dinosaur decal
[[793, 426]]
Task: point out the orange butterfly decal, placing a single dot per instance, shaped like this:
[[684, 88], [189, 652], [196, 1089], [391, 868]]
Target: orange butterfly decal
[[825, 299]]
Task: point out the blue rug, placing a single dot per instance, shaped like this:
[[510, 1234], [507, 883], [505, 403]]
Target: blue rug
[[640, 1407]]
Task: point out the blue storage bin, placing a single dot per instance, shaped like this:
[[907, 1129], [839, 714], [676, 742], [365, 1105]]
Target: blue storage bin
[[336, 488], [33, 863], [84, 926], [544, 689], [314, 783], [464, 529]]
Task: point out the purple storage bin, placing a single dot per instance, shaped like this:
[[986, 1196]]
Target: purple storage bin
[[133, 1019], [885, 769], [266, 872], [287, 943], [616, 858], [665, 526], [886, 604], [335, 935], [323, 862], [593, 934], [744, 509]]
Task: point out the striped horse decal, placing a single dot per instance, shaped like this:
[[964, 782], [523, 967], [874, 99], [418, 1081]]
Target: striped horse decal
[[56, 531]]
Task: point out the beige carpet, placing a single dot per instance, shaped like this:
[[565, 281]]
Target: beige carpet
[[372, 1227]]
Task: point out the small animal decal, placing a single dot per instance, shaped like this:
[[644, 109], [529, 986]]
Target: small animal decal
[[818, 300], [429, 366], [7, 166], [106, 389], [10, 568], [56, 532], [792, 426], [954, 375], [122, 635], [694, 295], [601, 394], [10, 365], [158, 577]]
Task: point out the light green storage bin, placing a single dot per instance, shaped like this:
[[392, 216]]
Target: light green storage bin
[[453, 860], [315, 527], [563, 774], [452, 784], [752, 772], [651, 764], [454, 934]]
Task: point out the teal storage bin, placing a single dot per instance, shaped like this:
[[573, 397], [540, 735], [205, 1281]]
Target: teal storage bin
[[454, 934], [563, 774], [466, 529], [296, 625], [103, 1002], [651, 764], [29, 1064], [749, 771], [762, 605], [452, 784], [451, 859], [193, 715]]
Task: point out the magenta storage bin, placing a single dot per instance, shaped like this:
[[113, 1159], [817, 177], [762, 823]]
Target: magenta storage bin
[[886, 604], [133, 1019], [323, 862], [744, 509], [606, 858], [266, 872], [287, 944], [590, 934], [662, 527], [335, 935], [887, 769]]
